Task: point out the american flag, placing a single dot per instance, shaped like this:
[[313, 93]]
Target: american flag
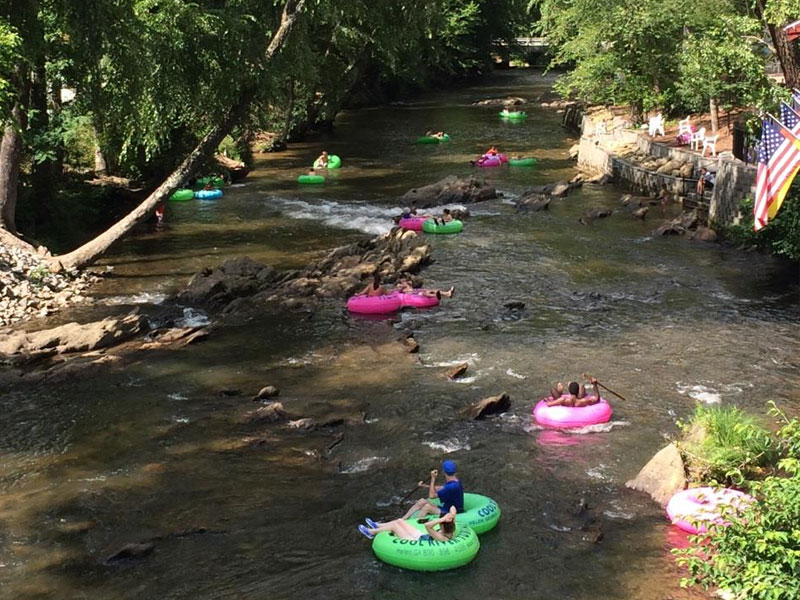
[[796, 100], [778, 162]]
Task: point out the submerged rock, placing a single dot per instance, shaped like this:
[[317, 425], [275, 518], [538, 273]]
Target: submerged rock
[[489, 406], [593, 214], [131, 551], [662, 476], [268, 391], [457, 371]]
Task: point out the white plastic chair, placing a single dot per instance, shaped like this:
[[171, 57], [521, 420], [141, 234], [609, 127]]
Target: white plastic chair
[[684, 126], [697, 137], [656, 125], [710, 143]]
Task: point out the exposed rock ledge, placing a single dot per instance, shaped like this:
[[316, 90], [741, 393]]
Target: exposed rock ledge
[[450, 190], [242, 282]]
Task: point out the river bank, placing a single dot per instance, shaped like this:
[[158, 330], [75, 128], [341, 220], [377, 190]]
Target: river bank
[[165, 446]]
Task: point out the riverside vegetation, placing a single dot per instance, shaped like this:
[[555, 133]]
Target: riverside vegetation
[[757, 554]]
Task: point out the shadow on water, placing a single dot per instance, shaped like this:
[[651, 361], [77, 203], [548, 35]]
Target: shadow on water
[[155, 451]]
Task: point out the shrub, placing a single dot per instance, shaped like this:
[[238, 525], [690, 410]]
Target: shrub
[[757, 555], [724, 444]]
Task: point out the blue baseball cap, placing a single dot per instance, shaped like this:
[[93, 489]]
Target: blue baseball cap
[[449, 467]]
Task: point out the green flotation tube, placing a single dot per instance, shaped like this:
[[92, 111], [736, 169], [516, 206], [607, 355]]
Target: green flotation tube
[[432, 555], [513, 114], [183, 195], [334, 162], [215, 181], [310, 179], [481, 513], [521, 162], [455, 226], [432, 139]]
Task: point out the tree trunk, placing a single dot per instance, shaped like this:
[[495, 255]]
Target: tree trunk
[[714, 110], [789, 56], [788, 52], [100, 166], [10, 159], [39, 123], [287, 124], [11, 151], [93, 249]]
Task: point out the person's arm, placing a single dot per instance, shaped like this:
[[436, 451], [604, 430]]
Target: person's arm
[[437, 535], [432, 485]]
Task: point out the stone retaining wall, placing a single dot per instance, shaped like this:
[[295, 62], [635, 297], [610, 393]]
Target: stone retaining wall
[[734, 180]]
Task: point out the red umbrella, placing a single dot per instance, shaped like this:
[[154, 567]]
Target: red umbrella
[[792, 30]]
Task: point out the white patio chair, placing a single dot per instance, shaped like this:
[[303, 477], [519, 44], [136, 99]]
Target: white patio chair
[[656, 125], [684, 126], [697, 137], [710, 143]]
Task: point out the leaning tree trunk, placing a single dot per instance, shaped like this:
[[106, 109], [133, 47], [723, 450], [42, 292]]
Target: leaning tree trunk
[[93, 249]]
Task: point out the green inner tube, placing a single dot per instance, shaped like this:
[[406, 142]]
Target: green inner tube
[[430, 139], [215, 181], [427, 555], [481, 513], [521, 162], [455, 226], [334, 162], [515, 114], [310, 179], [183, 195]]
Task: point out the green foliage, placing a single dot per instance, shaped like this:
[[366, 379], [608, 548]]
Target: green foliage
[[37, 274], [757, 555], [780, 237], [228, 147], [724, 444], [718, 62], [9, 48]]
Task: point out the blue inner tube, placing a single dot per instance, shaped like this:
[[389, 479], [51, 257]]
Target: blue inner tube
[[208, 194]]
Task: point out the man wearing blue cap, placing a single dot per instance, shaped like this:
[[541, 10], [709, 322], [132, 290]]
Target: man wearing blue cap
[[450, 494]]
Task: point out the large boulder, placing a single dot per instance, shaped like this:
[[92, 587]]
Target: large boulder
[[74, 337], [234, 278], [450, 190], [662, 476]]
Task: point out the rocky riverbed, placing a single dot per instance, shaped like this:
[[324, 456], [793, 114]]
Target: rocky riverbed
[[29, 288]]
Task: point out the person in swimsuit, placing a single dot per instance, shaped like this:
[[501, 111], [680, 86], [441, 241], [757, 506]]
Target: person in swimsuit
[[322, 160], [575, 396], [406, 531], [374, 288], [445, 218], [451, 494], [404, 285]]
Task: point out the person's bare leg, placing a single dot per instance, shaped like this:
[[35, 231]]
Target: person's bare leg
[[418, 505]]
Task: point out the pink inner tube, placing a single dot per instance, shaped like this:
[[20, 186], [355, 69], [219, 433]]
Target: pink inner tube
[[375, 305], [688, 508], [418, 300], [412, 223], [571, 416], [489, 161]]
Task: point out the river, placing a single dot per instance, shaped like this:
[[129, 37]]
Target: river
[[90, 465]]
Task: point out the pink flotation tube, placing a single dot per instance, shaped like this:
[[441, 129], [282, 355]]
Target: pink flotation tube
[[688, 508], [412, 223], [418, 300], [571, 416], [375, 305], [488, 160]]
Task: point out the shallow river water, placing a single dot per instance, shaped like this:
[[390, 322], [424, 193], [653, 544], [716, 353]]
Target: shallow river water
[[155, 451]]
